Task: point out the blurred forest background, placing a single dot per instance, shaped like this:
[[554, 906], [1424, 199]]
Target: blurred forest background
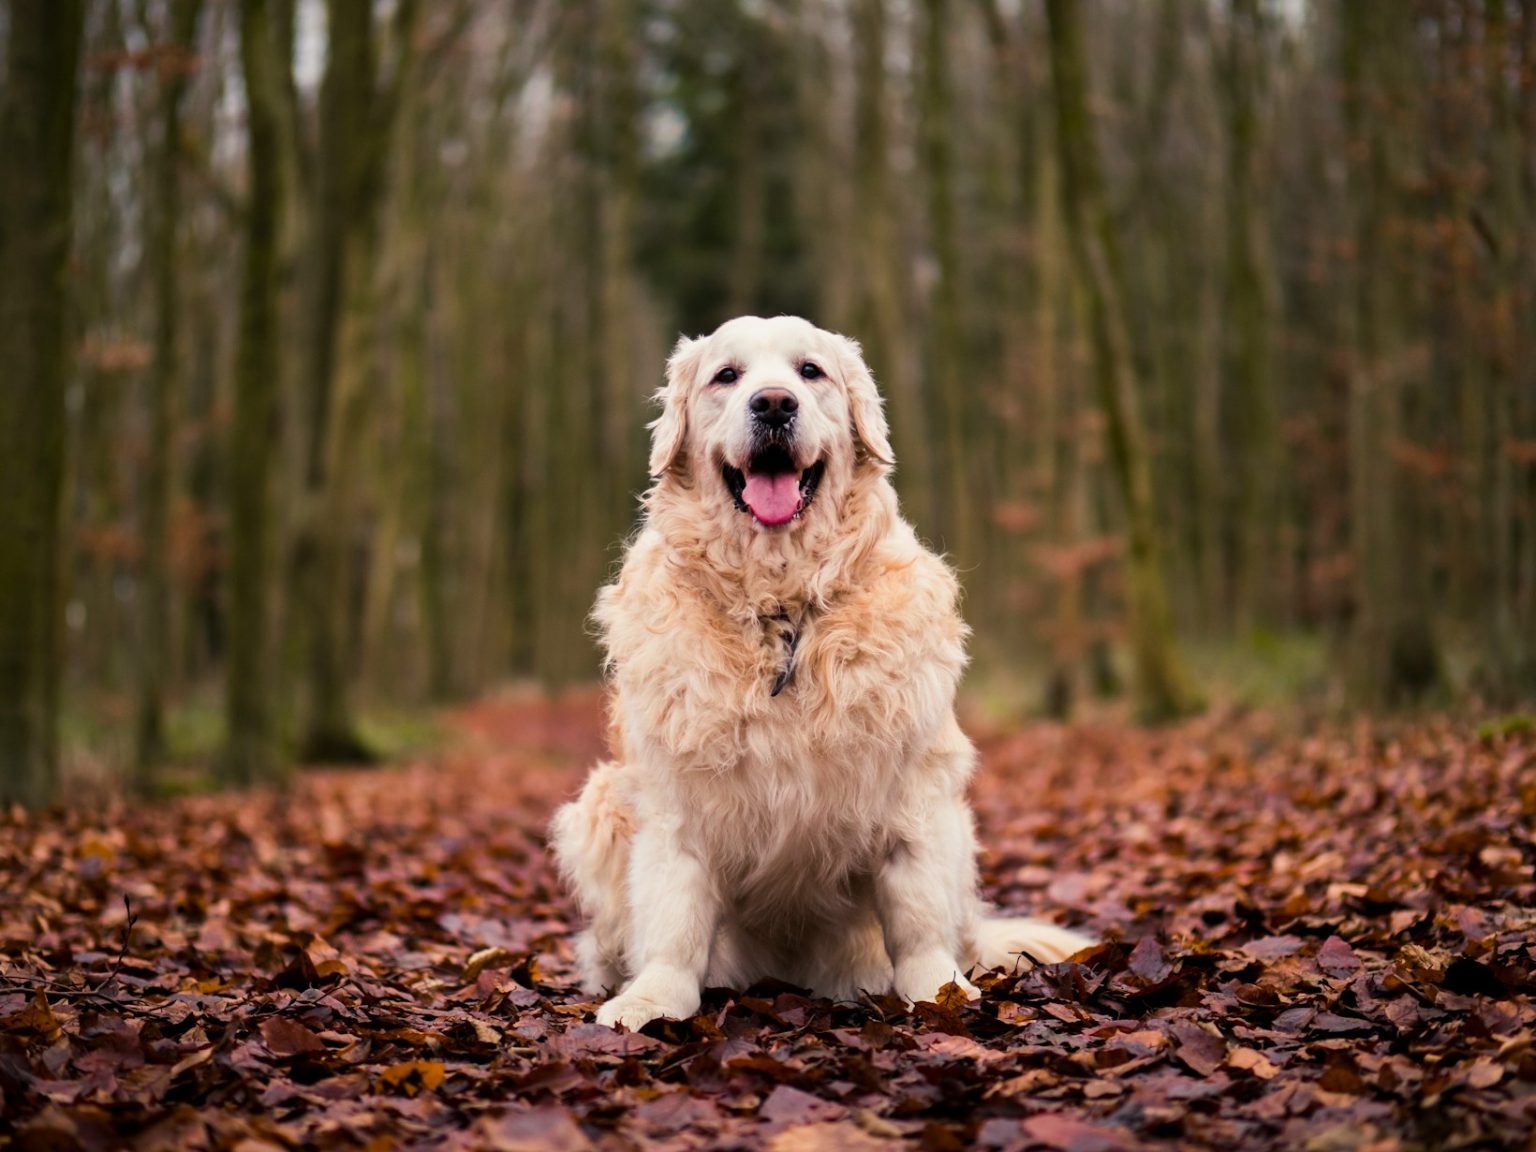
[[328, 327]]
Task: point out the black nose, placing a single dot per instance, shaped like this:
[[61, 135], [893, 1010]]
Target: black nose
[[774, 407]]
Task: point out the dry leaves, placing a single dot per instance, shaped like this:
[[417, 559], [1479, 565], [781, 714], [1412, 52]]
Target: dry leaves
[[1312, 942]]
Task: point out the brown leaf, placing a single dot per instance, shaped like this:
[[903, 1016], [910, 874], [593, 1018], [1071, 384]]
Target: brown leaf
[[36, 1019], [786, 1105], [950, 1047], [546, 1129], [285, 1037], [1147, 961], [414, 1076], [1252, 1061], [952, 997], [826, 1137], [1483, 1073], [1337, 958], [190, 1061], [1198, 1049], [600, 1040], [486, 958], [1068, 1133], [1271, 948], [1341, 1075]]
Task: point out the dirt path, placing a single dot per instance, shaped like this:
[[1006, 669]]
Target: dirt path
[[1318, 942]]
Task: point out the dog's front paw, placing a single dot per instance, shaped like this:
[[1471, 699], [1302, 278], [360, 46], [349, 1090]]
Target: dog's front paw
[[633, 1012], [653, 995], [923, 978]]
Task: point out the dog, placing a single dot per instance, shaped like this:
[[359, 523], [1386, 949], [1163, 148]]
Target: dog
[[787, 797]]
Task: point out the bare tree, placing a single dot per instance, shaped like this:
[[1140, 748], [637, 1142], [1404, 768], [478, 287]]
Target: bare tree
[[1394, 655], [250, 754], [1248, 394], [37, 133], [1163, 688], [154, 640], [357, 118]]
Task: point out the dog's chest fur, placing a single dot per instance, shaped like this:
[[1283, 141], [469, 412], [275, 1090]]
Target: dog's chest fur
[[800, 803], [806, 786]]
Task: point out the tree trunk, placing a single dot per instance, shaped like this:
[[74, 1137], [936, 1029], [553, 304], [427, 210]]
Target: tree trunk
[[154, 638], [1163, 689], [1506, 650], [250, 754], [1252, 460], [879, 313], [37, 132], [1524, 381], [329, 730], [356, 124], [1393, 655], [623, 112], [946, 352]]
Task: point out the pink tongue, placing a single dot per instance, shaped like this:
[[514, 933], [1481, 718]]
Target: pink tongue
[[773, 497]]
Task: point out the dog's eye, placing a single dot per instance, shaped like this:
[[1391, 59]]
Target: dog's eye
[[811, 371], [726, 376]]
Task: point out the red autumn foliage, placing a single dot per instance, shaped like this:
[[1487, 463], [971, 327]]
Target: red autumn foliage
[[1320, 940]]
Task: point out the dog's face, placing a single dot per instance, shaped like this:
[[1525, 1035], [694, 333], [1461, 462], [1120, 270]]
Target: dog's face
[[766, 414]]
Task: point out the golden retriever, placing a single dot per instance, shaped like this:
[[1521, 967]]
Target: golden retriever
[[787, 797]]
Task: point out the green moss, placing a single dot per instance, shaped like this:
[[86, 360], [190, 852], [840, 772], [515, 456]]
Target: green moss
[[402, 734], [1269, 669], [97, 731], [1504, 727]]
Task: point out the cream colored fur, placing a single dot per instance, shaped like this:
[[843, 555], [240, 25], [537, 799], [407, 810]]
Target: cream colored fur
[[821, 836]]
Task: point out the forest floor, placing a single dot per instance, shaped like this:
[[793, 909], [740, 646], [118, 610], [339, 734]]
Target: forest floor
[[1321, 940]]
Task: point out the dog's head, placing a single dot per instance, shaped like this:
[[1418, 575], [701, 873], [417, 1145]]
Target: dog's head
[[764, 415]]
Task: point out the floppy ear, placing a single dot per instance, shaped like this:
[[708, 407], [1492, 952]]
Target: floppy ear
[[869, 427], [670, 429]]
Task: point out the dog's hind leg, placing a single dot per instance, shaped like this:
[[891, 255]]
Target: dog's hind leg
[[591, 838], [848, 959]]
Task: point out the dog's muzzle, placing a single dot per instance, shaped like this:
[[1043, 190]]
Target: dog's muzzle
[[773, 408]]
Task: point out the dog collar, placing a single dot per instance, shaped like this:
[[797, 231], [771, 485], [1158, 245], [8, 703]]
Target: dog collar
[[789, 635]]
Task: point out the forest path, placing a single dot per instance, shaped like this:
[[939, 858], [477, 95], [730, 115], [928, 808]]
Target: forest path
[[1346, 960]]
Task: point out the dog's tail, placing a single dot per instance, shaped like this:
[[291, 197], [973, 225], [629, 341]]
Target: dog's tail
[[1012, 943]]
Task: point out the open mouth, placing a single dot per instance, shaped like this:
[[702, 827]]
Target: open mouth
[[771, 488]]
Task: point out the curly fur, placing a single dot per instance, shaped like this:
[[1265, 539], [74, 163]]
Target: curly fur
[[820, 836]]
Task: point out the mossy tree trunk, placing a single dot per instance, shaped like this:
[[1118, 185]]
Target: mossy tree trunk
[[1509, 666], [250, 753], [356, 124], [946, 352], [1393, 655], [1162, 686], [329, 731], [1252, 459], [879, 311], [37, 133], [1523, 383], [154, 637]]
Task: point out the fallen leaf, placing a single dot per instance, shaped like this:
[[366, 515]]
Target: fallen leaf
[[546, 1129], [413, 1076], [284, 1037], [1067, 1133], [483, 959], [1252, 1061], [1202, 1051], [1337, 958], [1148, 962], [826, 1137], [786, 1105]]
